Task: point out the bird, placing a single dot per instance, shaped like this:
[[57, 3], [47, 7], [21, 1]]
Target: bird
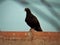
[[32, 20]]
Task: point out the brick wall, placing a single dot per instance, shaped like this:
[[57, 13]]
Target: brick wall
[[30, 38]]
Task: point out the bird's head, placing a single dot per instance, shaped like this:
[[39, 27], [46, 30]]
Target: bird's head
[[27, 10]]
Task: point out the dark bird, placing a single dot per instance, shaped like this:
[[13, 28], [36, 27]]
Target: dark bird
[[32, 21]]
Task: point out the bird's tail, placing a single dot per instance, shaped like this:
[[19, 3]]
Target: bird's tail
[[38, 29]]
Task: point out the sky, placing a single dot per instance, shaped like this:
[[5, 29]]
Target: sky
[[12, 14]]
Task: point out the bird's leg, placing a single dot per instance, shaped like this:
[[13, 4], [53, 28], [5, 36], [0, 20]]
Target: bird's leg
[[32, 30]]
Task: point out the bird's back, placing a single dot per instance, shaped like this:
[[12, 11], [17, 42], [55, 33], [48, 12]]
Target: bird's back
[[32, 21]]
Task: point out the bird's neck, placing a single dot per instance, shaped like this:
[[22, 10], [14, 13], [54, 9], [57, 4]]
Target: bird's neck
[[28, 12]]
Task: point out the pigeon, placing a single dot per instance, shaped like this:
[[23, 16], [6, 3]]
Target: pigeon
[[32, 20]]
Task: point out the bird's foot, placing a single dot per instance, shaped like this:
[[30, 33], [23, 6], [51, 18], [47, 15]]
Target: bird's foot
[[32, 30]]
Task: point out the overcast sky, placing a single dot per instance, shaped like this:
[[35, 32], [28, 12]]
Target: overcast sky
[[12, 15]]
